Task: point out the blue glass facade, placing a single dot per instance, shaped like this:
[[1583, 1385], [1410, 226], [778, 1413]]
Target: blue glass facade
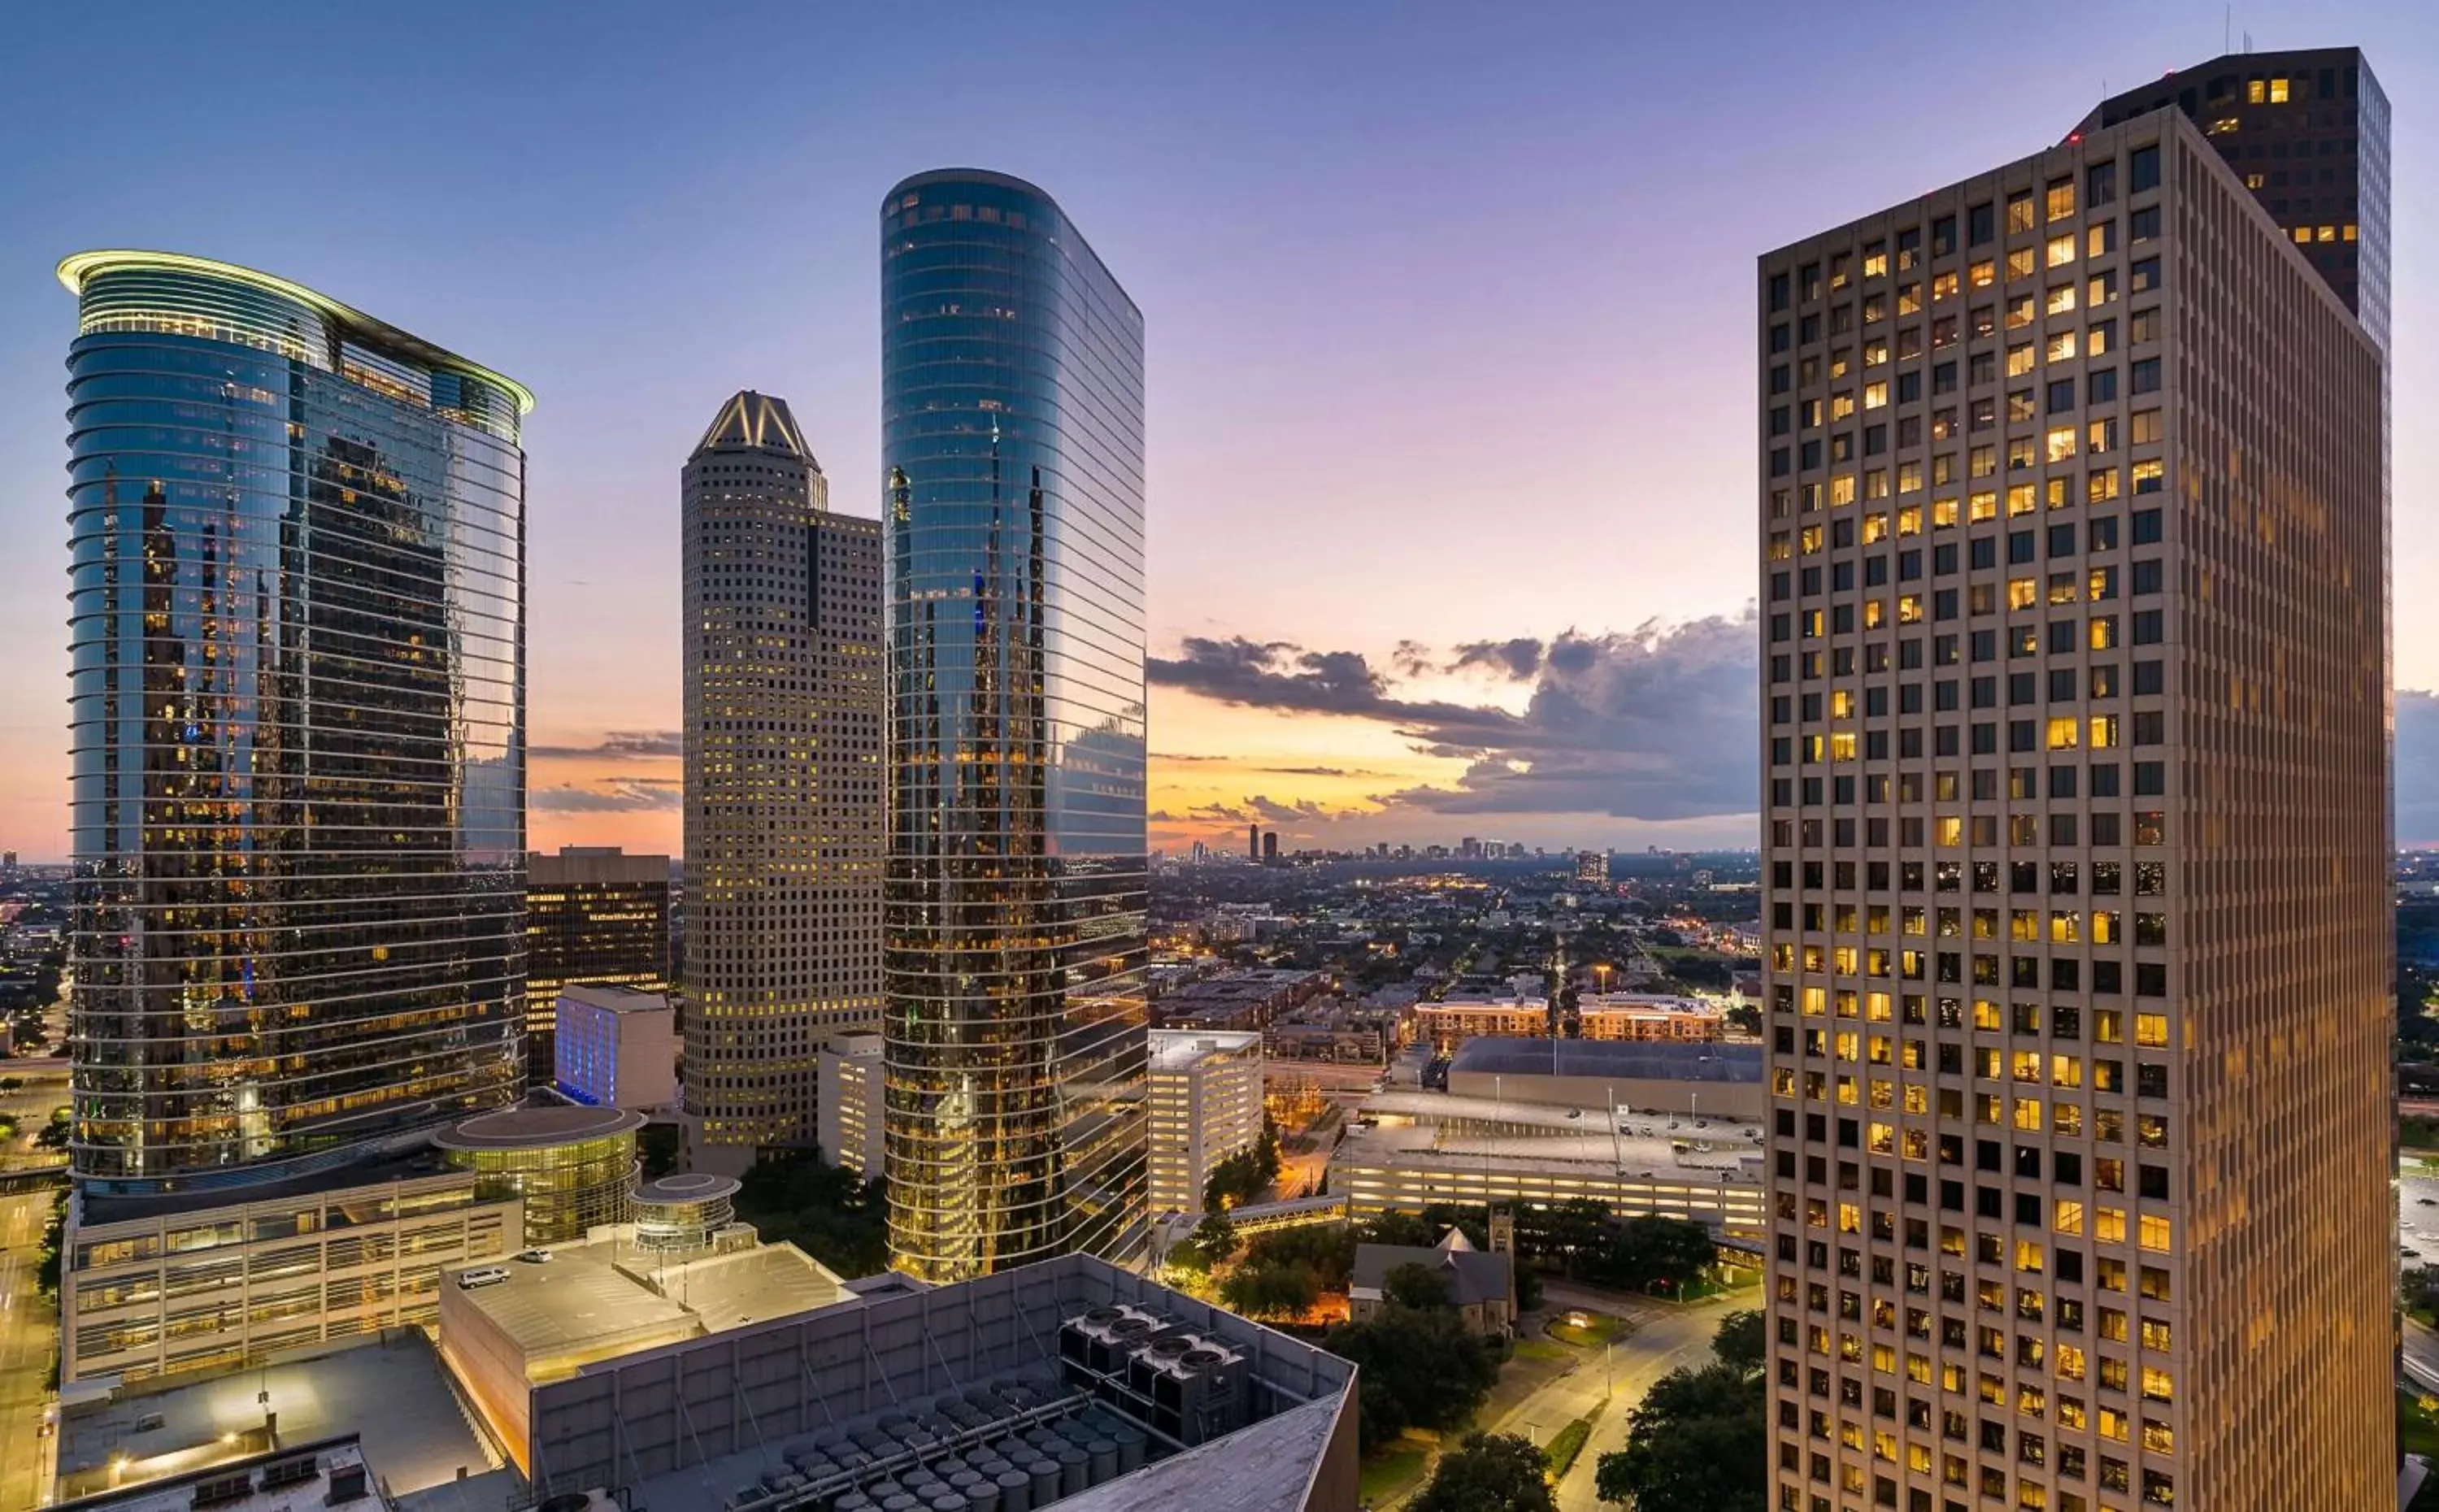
[[297, 714], [1013, 920]]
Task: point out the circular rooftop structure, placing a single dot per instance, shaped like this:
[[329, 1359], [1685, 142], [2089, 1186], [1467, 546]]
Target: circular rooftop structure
[[684, 1210], [534, 1126], [574, 1168]]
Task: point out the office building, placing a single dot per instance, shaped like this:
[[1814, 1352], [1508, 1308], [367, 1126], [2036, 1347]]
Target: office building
[[1206, 1105], [1592, 866], [851, 1123], [783, 785], [1013, 419], [617, 1048], [297, 714], [594, 913], [2077, 949], [2308, 133], [1270, 847], [1253, 842], [202, 1285]]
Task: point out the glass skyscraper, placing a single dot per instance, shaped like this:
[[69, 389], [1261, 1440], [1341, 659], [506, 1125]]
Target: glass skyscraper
[[1013, 919], [297, 716]]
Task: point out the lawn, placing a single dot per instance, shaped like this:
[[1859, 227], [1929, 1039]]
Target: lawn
[[1568, 1443], [1597, 1329], [1390, 1471], [2417, 1429], [1536, 1349]]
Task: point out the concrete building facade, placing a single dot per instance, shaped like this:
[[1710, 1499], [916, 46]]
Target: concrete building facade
[[784, 807], [2077, 949], [1206, 1105], [167, 1287], [616, 1047], [852, 1124]]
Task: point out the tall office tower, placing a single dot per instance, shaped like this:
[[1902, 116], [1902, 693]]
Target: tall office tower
[[1012, 433], [1254, 842], [2307, 131], [783, 785], [2079, 966], [593, 915], [297, 715]]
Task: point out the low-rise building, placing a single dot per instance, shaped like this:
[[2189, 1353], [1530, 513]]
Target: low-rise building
[[1206, 1105], [293, 1477], [1066, 1382], [201, 1282], [1689, 1076], [847, 1103], [1453, 1020], [616, 1047], [1647, 1016], [1480, 1285], [1413, 1169], [1237, 1000]]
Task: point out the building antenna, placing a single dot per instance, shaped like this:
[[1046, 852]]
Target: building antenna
[[2227, 28]]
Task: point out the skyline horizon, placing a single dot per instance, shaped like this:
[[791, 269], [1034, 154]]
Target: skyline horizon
[[1318, 469]]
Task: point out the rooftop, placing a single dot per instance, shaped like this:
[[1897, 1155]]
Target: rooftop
[[597, 1298], [613, 997], [534, 1126], [97, 1208], [377, 334], [392, 1394], [297, 1477], [1640, 1060], [1180, 1049], [1472, 1276]]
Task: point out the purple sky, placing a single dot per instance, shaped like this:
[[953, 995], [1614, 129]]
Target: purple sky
[[1449, 315]]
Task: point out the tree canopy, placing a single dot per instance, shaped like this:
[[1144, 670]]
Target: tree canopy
[[1417, 1368], [1499, 1473], [1701, 1440], [1414, 1286]]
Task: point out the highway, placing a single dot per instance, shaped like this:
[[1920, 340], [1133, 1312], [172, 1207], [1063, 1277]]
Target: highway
[[29, 1329]]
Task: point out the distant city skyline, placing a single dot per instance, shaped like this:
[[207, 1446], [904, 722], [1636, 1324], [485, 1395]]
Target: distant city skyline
[[1436, 424]]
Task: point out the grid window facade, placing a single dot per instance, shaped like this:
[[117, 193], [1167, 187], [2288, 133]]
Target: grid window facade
[[2072, 698]]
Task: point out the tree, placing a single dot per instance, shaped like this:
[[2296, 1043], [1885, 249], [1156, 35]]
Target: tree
[[829, 1213], [1415, 1369], [1499, 1473], [1271, 1291], [1414, 1286], [1741, 1341], [1652, 1251], [1701, 1440]]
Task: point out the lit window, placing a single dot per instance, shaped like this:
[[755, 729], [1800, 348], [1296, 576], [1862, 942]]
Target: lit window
[[2020, 360], [2020, 264], [2024, 593], [1983, 273], [2064, 731], [2060, 251], [2019, 212], [2060, 443], [2060, 347], [1876, 395], [2061, 299], [2278, 91]]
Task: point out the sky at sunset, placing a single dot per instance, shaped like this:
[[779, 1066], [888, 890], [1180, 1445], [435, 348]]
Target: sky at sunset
[[1448, 311]]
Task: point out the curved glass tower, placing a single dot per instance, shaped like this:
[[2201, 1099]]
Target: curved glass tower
[[1013, 920], [297, 717]]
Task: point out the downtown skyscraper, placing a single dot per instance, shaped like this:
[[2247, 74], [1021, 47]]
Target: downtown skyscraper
[[783, 781], [298, 719], [1013, 447], [2074, 578]]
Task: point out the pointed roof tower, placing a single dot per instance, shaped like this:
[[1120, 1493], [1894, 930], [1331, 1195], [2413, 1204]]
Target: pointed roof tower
[[755, 423]]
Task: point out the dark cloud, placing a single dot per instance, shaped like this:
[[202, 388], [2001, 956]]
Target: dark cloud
[[1654, 724], [1516, 659], [1319, 771], [618, 745], [1411, 658], [1283, 675], [1178, 755], [609, 795]]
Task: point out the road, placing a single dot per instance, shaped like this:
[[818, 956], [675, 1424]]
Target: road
[[1665, 1337], [2422, 1355], [29, 1333]]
